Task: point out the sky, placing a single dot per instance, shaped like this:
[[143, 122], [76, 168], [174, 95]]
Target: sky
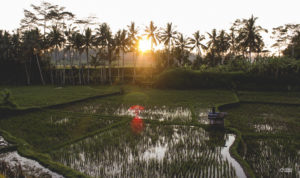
[[187, 15]]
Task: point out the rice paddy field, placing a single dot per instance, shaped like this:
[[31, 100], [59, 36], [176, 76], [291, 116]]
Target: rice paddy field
[[170, 137]]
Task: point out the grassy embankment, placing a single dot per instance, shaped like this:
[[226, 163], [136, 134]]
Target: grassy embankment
[[39, 96]]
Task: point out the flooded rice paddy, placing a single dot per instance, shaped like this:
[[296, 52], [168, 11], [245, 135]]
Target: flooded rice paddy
[[14, 165], [160, 151], [274, 157], [160, 113], [165, 150]]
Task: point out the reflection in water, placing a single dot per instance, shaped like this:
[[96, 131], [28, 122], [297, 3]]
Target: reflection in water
[[3, 143], [137, 125], [161, 113], [226, 154], [273, 157], [159, 151], [14, 165]]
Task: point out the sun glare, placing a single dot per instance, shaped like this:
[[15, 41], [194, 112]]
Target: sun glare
[[144, 44]]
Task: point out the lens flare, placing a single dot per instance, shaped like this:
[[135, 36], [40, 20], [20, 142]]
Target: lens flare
[[144, 44], [137, 125]]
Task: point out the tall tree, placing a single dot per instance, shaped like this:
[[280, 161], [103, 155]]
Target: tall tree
[[223, 44], [195, 41], [88, 43], [280, 36], [182, 44], [212, 45], [32, 46], [152, 34], [124, 48], [249, 35], [77, 41], [168, 36], [133, 44], [56, 40], [107, 45], [117, 39], [293, 48]]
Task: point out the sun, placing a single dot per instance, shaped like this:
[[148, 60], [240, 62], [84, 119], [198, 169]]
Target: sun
[[144, 44]]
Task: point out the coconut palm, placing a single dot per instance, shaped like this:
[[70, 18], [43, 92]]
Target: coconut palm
[[56, 40], [107, 45], [212, 44], [249, 35], [223, 44], [182, 44], [77, 41], [124, 48], [32, 47], [152, 34], [133, 43], [117, 39], [195, 41], [168, 36], [88, 39], [232, 42]]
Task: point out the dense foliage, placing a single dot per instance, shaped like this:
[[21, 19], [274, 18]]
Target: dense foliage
[[264, 74], [49, 48]]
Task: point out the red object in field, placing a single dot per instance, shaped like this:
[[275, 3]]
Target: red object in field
[[136, 109], [137, 125]]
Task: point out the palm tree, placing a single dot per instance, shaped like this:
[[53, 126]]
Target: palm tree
[[195, 41], [56, 40], [223, 44], [132, 43], [88, 41], [124, 48], [69, 47], [107, 45], [168, 36], [212, 44], [232, 42], [117, 39], [32, 45], [182, 44], [101, 44], [249, 35], [152, 33], [77, 44]]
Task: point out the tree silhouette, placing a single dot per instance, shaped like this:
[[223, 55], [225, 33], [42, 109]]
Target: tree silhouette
[[195, 41], [133, 44], [88, 40], [168, 36], [249, 35]]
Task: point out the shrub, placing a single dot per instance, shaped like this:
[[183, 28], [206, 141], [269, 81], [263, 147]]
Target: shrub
[[189, 79]]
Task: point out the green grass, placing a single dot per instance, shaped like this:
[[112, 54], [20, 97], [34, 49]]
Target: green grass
[[47, 129], [265, 119], [38, 96], [268, 155], [272, 97], [146, 96]]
